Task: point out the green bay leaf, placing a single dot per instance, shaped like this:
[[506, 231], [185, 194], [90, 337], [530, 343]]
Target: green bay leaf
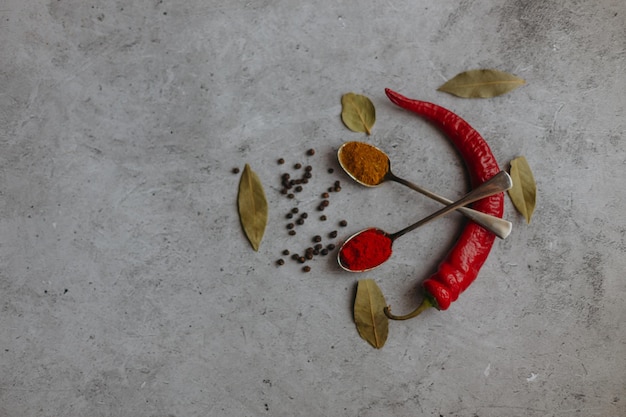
[[358, 112], [523, 194], [369, 316], [481, 83], [252, 206]]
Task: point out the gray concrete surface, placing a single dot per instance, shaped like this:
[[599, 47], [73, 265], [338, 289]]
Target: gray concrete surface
[[128, 289]]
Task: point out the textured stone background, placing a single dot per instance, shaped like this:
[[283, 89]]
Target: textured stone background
[[128, 289]]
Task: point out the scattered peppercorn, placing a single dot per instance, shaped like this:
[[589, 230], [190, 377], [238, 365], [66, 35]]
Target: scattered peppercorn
[[317, 238], [290, 195], [309, 255], [324, 252], [290, 225], [302, 259], [286, 252], [325, 195], [324, 203], [304, 215], [330, 246], [307, 175], [295, 256], [295, 210], [235, 170], [297, 166], [319, 246], [330, 170], [333, 234], [280, 262], [306, 268], [308, 168], [298, 188], [337, 189], [289, 216], [292, 232], [281, 161], [323, 218], [311, 152], [300, 221], [343, 223]]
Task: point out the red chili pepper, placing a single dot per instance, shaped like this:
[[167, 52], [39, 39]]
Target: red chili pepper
[[461, 265]]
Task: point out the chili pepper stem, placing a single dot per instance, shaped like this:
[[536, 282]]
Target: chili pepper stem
[[426, 304]]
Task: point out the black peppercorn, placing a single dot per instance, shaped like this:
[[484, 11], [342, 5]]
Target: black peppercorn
[[324, 203], [311, 152], [317, 238], [286, 252], [292, 232], [324, 252], [300, 222], [343, 223], [297, 166], [330, 170], [280, 262], [235, 170], [306, 268], [323, 217], [290, 195], [290, 225], [289, 215], [333, 234], [281, 161], [298, 188], [330, 246], [295, 210], [308, 168], [304, 215], [302, 259], [325, 195], [295, 256]]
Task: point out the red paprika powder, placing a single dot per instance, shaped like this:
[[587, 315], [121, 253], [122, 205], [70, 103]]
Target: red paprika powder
[[366, 250]]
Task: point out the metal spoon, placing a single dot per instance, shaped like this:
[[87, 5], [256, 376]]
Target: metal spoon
[[499, 183], [500, 227]]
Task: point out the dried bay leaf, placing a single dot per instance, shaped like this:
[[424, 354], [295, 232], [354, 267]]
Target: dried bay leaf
[[481, 83], [252, 206], [358, 113], [369, 315], [523, 194]]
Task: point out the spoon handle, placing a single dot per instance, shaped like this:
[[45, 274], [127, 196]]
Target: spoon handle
[[500, 227], [499, 183]]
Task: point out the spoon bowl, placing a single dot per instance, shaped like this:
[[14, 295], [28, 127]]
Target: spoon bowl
[[370, 166], [371, 247]]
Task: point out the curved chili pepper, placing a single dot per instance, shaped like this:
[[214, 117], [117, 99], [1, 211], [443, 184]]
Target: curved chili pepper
[[462, 263]]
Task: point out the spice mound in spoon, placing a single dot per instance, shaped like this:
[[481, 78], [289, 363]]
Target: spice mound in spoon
[[365, 250], [365, 163]]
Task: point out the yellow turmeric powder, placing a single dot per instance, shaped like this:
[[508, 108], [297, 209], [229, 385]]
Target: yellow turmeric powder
[[366, 163]]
